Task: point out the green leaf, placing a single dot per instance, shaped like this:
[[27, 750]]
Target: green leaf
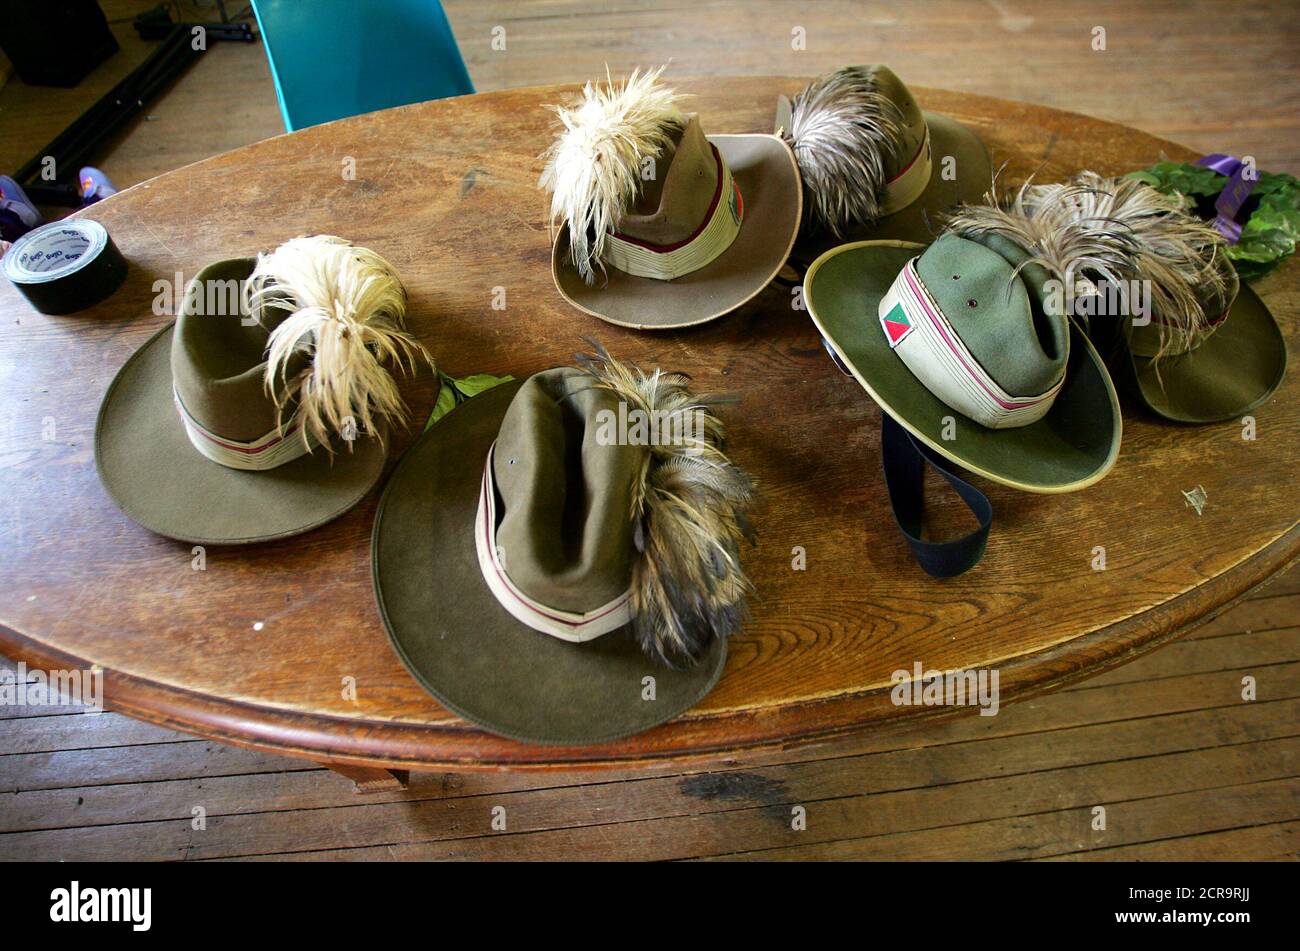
[[1181, 177], [479, 382], [453, 392], [445, 404], [1271, 232]]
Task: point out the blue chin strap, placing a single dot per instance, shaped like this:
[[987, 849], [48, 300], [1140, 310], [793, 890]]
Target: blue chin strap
[[904, 458]]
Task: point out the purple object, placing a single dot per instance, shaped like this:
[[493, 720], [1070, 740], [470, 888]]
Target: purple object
[[95, 185], [1234, 194], [17, 213]]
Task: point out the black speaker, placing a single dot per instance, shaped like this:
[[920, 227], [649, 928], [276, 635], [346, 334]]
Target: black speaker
[[54, 42]]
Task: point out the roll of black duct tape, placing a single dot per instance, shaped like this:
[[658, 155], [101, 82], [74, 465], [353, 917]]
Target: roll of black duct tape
[[65, 266]]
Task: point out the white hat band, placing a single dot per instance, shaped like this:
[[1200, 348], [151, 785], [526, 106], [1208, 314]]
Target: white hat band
[[566, 625], [720, 227], [276, 448], [924, 339]]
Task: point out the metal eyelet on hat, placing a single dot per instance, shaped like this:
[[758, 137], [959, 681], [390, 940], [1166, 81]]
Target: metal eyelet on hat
[[972, 302]]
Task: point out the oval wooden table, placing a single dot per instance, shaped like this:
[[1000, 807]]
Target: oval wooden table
[[256, 649]]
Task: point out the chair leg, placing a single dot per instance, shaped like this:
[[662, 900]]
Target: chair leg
[[370, 779]]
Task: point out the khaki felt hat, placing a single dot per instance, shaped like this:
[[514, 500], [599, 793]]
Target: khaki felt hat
[[552, 577], [658, 224], [191, 442], [962, 344], [873, 165]]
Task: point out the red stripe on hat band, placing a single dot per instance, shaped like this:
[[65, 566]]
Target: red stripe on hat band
[[488, 500], [908, 167]]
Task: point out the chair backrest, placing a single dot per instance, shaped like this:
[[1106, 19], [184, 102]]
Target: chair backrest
[[337, 58]]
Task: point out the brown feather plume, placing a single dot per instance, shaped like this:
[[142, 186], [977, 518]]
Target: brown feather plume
[[689, 508], [1092, 229], [843, 132]]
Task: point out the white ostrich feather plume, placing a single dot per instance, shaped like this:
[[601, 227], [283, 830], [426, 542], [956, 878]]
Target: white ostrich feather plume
[[593, 169], [844, 132], [347, 311]]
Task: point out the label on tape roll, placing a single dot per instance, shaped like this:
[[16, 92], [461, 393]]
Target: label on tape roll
[[65, 266]]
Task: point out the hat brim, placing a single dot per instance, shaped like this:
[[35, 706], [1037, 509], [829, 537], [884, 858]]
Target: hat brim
[[1074, 445], [919, 220], [765, 170], [464, 647], [1237, 367], [158, 479]]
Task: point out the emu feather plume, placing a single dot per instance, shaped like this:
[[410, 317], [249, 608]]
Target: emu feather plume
[[347, 310], [689, 509], [843, 132], [1093, 229], [593, 169]]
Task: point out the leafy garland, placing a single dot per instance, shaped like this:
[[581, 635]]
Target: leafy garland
[[1272, 228]]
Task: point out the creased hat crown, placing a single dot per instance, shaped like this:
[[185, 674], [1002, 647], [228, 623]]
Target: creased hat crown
[[608, 501], [218, 355], [678, 191], [977, 323], [564, 495]]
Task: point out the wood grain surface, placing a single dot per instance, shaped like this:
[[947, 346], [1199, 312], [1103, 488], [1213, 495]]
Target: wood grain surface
[[445, 190]]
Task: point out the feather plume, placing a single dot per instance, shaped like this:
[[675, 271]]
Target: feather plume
[[844, 132], [347, 310], [593, 169], [689, 508], [1091, 229]]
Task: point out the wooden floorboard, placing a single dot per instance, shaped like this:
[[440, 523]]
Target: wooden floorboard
[[1023, 783], [1184, 767]]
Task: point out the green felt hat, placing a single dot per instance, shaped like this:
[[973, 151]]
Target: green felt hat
[[873, 165], [557, 577], [964, 345], [191, 441]]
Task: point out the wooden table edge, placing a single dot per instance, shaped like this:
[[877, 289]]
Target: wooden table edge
[[457, 745]]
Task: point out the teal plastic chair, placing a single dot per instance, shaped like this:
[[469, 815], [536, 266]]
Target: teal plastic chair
[[337, 58]]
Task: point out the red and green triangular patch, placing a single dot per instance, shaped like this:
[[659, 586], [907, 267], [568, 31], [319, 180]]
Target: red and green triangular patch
[[896, 325]]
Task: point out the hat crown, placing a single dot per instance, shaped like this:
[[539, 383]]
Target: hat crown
[[1009, 320], [565, 493], [912, 125], [677, 197], [218, 356]]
